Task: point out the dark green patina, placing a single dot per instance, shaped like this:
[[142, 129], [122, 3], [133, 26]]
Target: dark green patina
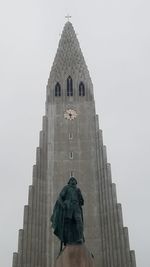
[[67, 218]]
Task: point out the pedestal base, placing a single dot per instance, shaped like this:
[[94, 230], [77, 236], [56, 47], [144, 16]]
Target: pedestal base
[[75, 256]]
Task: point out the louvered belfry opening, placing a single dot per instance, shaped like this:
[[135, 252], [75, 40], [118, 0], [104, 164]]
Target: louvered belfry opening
[[69, 86], [81, 89], [57, 89]]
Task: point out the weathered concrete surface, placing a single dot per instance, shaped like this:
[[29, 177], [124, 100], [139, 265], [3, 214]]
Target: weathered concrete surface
[[75, 256]]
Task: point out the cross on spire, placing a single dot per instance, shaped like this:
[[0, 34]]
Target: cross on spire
[[68, 17]]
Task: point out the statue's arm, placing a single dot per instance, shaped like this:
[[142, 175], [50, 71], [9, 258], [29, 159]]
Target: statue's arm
[[62, 196]]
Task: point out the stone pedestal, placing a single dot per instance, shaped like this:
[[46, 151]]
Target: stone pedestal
[[75, 256]]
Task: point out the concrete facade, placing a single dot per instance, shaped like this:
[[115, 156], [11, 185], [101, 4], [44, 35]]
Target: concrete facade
[[72, 147]]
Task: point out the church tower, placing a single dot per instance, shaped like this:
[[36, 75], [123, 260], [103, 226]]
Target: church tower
[[71, 143]]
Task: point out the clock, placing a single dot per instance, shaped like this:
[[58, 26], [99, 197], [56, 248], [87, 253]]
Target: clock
[[70, 114]]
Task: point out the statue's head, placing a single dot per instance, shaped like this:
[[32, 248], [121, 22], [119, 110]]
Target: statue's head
[[72, 181]]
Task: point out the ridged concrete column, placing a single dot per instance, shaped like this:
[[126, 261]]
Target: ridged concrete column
[[117, 250], [29, 229], [127, 246], [121, 235], [39, 205], [100, 173], [132, 257], [15, 260], [113, 245], [107, 222], [25, 236], [44, 199], [20, 247], [33, 201], [103, 203], [37, 221]]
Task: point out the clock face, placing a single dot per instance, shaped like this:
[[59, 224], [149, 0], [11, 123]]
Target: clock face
[[70, 114]]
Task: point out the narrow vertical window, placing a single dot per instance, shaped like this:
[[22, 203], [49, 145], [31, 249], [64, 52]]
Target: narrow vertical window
[[69, 87], [71, 173], [70, 136], [71, 155], [57, 89], [81, 89]]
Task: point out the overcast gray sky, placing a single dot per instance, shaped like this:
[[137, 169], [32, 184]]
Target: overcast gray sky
[[115, 39]]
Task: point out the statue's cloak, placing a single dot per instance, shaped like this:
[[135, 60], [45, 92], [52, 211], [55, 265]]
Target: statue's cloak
[[57, 220]]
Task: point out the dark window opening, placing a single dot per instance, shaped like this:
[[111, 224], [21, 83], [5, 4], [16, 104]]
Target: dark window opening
[[81, 89], [71, 155], [69, 87], [57, 89]]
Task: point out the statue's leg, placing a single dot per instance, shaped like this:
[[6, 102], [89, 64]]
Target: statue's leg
[[66, 231], [79, 227]]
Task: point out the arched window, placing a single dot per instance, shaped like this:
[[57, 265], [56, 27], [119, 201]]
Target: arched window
[[69, 87], [81, 89], [57, 89]]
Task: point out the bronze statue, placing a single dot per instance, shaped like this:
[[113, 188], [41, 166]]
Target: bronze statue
[[67, 218]]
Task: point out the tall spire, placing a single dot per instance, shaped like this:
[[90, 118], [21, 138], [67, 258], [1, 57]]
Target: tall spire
[[69, 59]]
